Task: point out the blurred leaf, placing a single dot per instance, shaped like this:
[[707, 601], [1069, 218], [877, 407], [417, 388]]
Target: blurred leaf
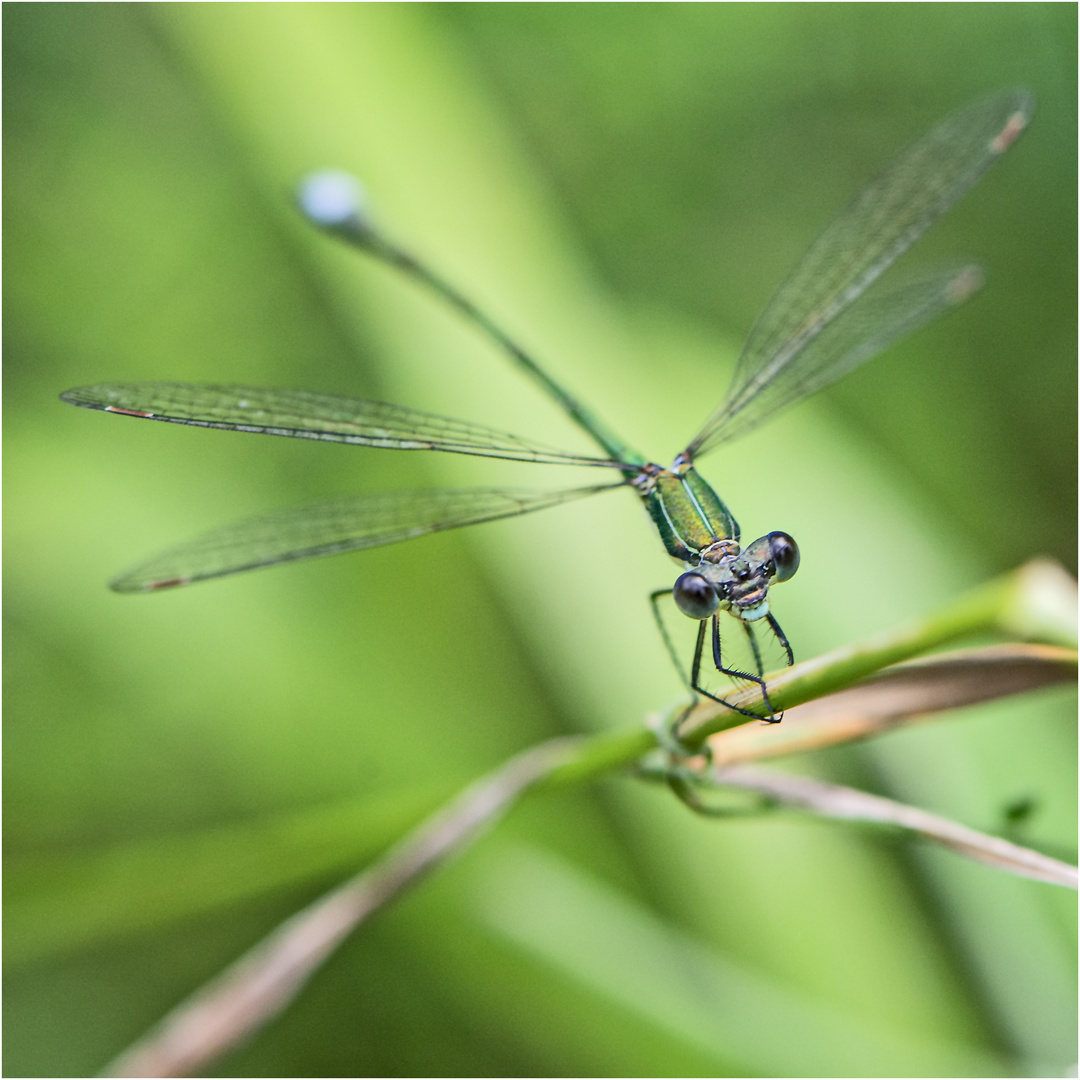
[[56, 903], [671, 980]]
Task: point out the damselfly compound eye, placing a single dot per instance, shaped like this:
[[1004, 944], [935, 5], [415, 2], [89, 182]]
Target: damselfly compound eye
[[785, 555], [694, 596]]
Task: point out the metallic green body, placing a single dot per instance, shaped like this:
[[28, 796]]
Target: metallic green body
[[689, 515]]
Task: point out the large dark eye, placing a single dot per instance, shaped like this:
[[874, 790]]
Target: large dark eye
[[785, 555], [694, 596]]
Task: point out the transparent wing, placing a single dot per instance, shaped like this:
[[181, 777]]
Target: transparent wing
[[328, 528], [305, 414], [778, 364], [854, 336]]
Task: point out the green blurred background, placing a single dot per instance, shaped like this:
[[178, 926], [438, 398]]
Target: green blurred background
[[622, 186]]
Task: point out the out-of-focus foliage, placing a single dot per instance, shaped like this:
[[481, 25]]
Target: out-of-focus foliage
[[622, 185]]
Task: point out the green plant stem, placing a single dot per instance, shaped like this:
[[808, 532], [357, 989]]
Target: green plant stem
[[1035, 602], [268, 978]]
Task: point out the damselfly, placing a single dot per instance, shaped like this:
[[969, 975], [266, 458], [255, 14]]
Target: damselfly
[[826, 318]]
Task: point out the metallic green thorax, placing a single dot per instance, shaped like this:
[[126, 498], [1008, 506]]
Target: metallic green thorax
[[689, 515]]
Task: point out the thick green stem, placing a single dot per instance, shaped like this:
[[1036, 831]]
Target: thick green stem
[[1036, 602]]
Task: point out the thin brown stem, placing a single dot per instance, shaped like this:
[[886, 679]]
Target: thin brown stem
[[228, 1010], [848, 804]]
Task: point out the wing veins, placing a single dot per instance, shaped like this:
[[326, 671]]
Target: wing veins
[[334, 526], [878, 226], [311, 415]]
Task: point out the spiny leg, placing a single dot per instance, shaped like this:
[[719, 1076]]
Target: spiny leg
[[695, 674], [668, 643], [668, 734], [734, 673], [678, 779], [752, 637], [781, 637], [754, 647]]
